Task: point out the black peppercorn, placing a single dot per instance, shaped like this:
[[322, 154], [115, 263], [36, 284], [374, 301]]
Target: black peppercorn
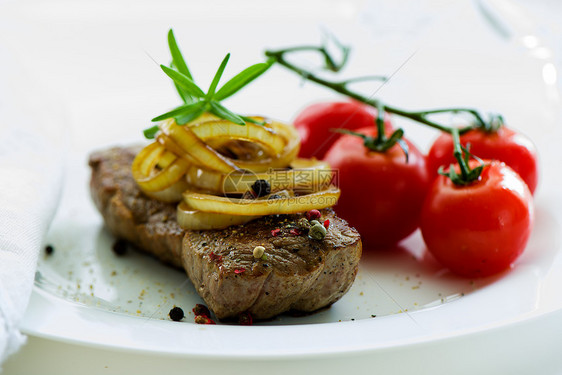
[[176, 314], [120, 247], [49, 249], [261, 188]]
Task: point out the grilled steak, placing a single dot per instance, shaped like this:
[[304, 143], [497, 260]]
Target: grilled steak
[[297, 273]]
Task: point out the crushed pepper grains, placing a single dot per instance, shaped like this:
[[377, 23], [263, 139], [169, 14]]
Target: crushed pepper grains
[[326, 223]]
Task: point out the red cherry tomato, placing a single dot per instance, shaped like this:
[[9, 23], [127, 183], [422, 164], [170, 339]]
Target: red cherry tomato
[[315, 121], [381, 194], [505, 145], [481, 228]]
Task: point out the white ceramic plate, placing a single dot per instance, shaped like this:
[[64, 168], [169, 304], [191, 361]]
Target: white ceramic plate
[[85, 294]]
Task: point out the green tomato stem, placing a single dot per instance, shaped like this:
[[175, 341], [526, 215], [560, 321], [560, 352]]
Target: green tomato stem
[[457, 151]]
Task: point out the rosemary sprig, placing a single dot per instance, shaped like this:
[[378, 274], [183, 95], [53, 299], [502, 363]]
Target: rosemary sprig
[[195, 100]]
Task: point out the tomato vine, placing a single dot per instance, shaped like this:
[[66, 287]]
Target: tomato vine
[[332, 64]]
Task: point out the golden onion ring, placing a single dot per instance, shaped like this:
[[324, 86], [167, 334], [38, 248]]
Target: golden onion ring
[[171, 194], [190, 164], [264, 136], [261, 207], [151, 180], [199, 220], [171, 145], [289, 154], [196, 148]]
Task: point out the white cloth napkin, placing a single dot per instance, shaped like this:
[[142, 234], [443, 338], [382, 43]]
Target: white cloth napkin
[[30, 181]]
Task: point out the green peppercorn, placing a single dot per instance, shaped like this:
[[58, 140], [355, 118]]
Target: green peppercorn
[[314, 222], [317, 232]]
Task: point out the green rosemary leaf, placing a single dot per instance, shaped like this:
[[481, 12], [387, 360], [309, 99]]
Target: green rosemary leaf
[[187, 117], [219, 110], [183, 110], [183, 95], [249, 119], [242, 79], [150, 133], [183, 81], [177, 58], [217, 77]]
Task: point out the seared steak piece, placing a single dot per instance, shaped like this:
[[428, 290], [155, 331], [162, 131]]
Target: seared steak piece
[[296, 273], [129, 214]]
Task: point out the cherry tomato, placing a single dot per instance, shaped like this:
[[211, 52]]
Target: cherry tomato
[[505, 145], [481, 228], [381, 193], [315, 121]]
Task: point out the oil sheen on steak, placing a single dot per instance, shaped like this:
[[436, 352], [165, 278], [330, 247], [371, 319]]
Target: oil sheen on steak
[[297, 273]]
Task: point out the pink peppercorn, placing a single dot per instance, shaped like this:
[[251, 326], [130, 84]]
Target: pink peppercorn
[[313, 215], [295, 232], [326, 223], [275, 232], [239, 270], [201, 310]]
